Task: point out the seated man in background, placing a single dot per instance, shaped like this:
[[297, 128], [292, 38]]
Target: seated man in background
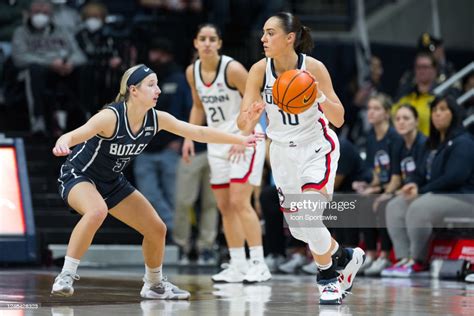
[[50, 56]]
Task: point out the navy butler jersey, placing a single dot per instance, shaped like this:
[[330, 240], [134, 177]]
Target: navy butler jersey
[[105, 158]]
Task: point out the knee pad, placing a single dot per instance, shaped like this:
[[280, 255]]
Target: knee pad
[[298, 233], [319, 240]]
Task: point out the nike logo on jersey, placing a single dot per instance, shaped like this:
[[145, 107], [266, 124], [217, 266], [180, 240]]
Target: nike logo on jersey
[[318, 150], [147, 134], [120, 136]]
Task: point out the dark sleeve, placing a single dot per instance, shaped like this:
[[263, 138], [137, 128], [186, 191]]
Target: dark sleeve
[[370, 153], [458, 168], [395, 154], [419, 175]]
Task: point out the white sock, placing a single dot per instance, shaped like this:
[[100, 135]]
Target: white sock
[[153, 275], [70, 264], [256, 253], [237, 256], [324, 266]]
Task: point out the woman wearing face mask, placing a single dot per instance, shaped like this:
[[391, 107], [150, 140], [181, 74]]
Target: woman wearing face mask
[[445, 167], [92, 183], [103, 58]]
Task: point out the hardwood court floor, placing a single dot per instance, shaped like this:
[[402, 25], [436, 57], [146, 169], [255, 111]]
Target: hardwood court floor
[[116, 292]]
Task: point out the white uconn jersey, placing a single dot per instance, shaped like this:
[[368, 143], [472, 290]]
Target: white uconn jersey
[[290, 128], [221, 102]]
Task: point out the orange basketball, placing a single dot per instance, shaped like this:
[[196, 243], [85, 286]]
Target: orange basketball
[[294, 91]]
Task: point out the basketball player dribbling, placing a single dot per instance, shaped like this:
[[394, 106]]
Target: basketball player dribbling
[[92, 183], [217, 83], [304, 151]]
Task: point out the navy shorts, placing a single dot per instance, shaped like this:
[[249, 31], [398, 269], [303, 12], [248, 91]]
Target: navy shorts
[[112, 191]]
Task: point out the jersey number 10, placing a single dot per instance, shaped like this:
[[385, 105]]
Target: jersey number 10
[[289, 119]]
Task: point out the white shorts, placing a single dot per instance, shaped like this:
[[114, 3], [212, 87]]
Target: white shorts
[[308, 165], [250, 169]]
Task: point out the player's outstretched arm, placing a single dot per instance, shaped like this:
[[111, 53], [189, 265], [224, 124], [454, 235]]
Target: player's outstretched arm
[[102, 123], [203, 134]]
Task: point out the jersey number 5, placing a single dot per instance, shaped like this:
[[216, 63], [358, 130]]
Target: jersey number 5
[[217, 114], [289, 119]]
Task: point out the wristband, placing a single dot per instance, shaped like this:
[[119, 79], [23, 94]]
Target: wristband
[[322, 98]]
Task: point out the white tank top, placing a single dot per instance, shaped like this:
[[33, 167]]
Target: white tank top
[[221, 102], [288, 128]]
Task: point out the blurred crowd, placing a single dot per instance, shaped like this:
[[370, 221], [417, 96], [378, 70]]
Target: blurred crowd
[[64, 59]]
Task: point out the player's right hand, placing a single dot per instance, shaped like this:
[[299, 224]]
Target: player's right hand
[[61, 148], [187, 150], [255, 111]]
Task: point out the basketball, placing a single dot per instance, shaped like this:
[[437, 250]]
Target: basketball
[[294, 91]]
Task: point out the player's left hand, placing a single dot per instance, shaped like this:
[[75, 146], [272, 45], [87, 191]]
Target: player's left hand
[[255, 111]]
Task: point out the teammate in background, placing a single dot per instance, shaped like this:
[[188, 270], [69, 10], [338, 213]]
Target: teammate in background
[[217, 84], [304, 150], [92, 182]]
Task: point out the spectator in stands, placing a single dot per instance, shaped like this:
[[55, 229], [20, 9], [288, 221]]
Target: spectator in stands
[[102, 70], [11, 17], [357, 112], [12, 14], [66, 16], [155, 168], [406, 124], [420, 94], [49, 54], [445, 167], [383, 153], [432, 45]]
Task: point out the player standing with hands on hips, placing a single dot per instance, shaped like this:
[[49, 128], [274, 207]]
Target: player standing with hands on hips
[[304, 150], [92, 183]]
